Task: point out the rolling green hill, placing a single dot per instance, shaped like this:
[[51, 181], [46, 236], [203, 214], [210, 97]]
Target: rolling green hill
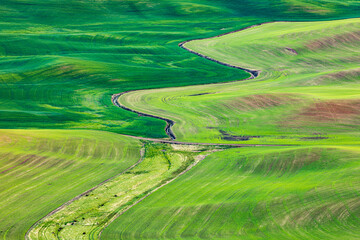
[[42, 169], [254, 193], [60, 61], [307, 90], [60, 134], [86, 217]]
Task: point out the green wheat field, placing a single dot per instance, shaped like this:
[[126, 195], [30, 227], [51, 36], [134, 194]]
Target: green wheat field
[[169, 119]]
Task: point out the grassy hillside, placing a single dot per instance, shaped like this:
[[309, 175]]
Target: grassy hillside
[[61, 60], [86, 217], [40, 170], [254, 193], [307, 90]]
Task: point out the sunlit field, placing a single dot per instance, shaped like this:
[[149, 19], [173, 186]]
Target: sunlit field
[[254, 193], [77, 163], [40, 170], [307, 90]]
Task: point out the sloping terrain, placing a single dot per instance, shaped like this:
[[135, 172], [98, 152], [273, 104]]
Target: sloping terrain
[[62, 61], [86, 217], [254, 193], [307, 89], [40, 170]]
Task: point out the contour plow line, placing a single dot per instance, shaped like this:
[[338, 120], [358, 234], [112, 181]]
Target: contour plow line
[[169, 123]]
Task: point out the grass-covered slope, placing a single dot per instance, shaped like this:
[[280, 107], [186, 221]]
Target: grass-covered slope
[[307, 90], [60, 61], [42, 169], [254, 193], [86, 217]]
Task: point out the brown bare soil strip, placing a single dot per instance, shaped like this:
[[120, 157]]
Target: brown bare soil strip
[[334, 110], [23, 162], [334, 41], [262, 101], [31, 158], [353, 74]]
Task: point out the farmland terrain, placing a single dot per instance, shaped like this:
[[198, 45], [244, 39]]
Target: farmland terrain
[[61, 60], [306, 93], [254, 193], [120, 118], [87, 216], [42, 169], [307, 90]]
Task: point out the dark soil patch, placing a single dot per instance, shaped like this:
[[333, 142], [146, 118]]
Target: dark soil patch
[[199, 94], [230, 137], [291, 50]]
